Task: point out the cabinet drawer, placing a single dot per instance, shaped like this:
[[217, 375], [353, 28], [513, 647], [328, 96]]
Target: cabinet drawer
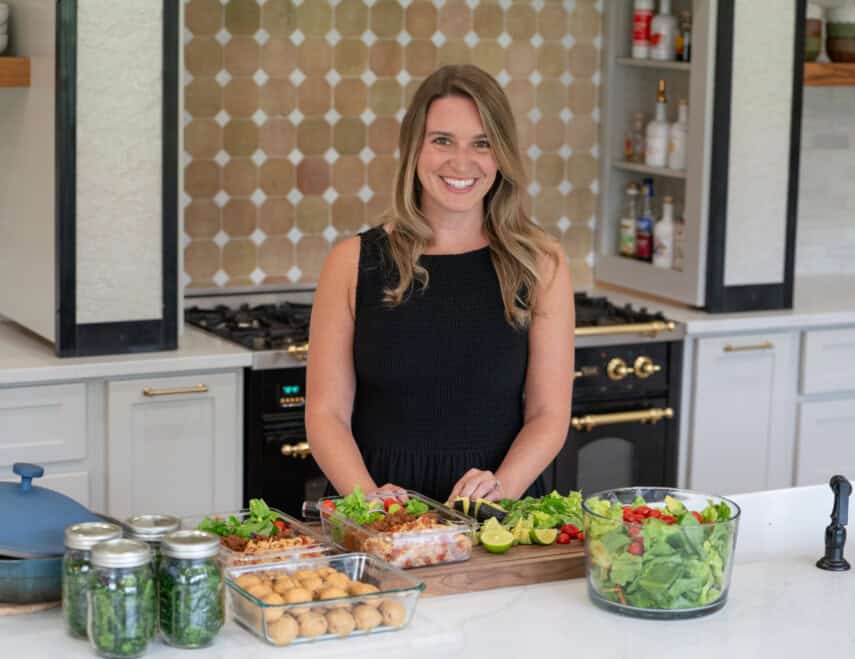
[[43, 424], [826, 443], [827, 361]]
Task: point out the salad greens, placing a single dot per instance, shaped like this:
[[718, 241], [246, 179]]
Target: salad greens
[[546, 512], [121, 610], [75, 584], [416, 507], [670, 561], [359, 509], [191, 601], [260, 521]]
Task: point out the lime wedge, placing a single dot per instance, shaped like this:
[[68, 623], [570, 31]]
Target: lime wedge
[[491, 523], [544, 536], [497, 541]]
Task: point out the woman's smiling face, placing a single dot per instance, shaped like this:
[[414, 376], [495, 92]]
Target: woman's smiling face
[[456, 166]]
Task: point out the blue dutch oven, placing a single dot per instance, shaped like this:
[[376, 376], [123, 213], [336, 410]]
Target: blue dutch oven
[[31, 537]]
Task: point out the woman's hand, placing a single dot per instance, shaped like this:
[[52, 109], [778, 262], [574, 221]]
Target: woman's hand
[[389, 490], [478, 484]]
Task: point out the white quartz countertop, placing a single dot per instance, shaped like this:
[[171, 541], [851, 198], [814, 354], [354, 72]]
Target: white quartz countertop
[[26, 358], [818, 301], [780, 605]]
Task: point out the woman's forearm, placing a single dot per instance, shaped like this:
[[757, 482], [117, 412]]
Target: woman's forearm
[[335, 451], [534, 448]]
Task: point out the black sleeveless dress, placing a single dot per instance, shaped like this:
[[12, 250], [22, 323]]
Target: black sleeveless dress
[[439, 378]]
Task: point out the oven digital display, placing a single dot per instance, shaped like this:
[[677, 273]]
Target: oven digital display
[[291, 389]]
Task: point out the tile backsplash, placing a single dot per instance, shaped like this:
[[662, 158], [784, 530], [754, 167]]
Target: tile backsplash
[[825, 242], [292, 111]]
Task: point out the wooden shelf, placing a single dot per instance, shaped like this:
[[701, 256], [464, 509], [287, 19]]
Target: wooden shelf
[[652, 171], [829, 74], [655, 64], [14, 71]]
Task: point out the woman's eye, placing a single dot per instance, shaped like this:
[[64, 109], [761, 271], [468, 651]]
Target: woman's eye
[[441, 140], [482, 144]]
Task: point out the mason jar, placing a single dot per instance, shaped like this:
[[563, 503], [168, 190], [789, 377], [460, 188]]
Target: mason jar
[[121, 620], [79, 540], [190, 582], [151, 529]]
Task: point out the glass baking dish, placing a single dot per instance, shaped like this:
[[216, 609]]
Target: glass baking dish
[[352, 595], [313, 541], [451, 543]]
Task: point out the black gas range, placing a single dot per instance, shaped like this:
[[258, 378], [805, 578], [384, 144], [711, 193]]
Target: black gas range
[[625, 401]]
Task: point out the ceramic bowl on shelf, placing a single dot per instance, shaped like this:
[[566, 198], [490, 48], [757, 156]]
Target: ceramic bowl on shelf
[[4, 13], [840, 34]]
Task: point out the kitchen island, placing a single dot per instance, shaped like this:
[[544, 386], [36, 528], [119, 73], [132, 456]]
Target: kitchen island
[[780, 605]]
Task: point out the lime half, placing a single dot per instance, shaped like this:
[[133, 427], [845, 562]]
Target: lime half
[[491, 523], [497, 541], [544, 536]]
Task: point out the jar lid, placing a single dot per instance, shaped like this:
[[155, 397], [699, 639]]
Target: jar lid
[[150, 528], [120, 552], [190, 544], [88, 534]]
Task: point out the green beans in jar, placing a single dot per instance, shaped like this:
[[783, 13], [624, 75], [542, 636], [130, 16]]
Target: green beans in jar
[[190, 582], [79, 540], [121, 619]]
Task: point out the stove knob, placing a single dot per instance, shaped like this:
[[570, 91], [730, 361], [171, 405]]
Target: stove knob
[[300, 450], [617, 369], [644, 367]]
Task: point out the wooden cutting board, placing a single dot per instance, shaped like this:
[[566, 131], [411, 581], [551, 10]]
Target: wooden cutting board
[[519, 566]]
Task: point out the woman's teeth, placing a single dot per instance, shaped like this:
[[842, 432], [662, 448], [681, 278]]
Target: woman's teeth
[[459, 183]]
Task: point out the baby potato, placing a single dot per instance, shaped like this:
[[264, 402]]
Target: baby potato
[[312, 624], [313, 583], [359, 588], [283, 583], [260, 591], [272, 615], [366, 617], [299, 575], [297, 595], [324, 572], [331, 592], [340, 622], [337, 580], [247, 581], [394, 613], [284, 630]]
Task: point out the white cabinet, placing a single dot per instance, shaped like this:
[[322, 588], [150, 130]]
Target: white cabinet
[[74, 484], [743, 412], [827, 360], [43, 424], [826, 441], [174, 444]]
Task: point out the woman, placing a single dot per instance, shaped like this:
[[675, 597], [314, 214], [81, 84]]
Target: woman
[[442, 341]]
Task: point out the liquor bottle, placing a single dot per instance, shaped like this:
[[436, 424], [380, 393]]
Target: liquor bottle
[[679, 244], [656, 138], [644, 225], [663, 33], [663, 236], [634, 142], [626, 235], [683, 43], [641, 19], [678, 137]]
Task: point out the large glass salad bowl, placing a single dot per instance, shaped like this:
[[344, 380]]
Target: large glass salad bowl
[[656, 552]]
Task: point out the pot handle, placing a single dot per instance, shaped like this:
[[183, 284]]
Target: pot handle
[[27, 472]]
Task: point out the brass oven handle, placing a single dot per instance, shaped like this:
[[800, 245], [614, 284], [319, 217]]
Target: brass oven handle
[[643, 367], [300, 352], [591, 421], [652, 328], [577, 374], [195, 389], [301, 450], [764, 345]]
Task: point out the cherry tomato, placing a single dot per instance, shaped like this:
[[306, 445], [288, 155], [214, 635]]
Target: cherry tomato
[[643, 510], [669, 519], [570, 529], [387, 503], [329, 504], [655, 512], [563, 539], [580, 536], [636, 548], [634, 531], [697, 516], [280, 525]]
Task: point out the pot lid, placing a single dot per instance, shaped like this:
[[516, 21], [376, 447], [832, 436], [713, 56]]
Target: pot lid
[[35, 518]]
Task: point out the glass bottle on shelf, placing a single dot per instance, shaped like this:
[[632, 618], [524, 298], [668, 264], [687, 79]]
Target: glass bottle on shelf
[[683, 43], [626, 235], [656, 137], [663, 236], [679, 243], [663, 33], [641, 19], [678, 138], [634, 142], [644, 225]]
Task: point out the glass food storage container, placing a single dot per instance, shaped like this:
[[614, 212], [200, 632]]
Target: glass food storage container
[[443, 536], [297, 540], [190, 589], [79, 540], [325, 598], [659, 552], [121, 620]]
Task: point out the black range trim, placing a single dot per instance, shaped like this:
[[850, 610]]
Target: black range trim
[[123, 336], [719, 297]]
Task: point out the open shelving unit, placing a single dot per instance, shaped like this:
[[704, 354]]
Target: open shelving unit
[[14, 71], [830, 74]]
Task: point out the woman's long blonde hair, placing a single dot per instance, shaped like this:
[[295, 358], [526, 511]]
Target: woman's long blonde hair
[[516, 242]]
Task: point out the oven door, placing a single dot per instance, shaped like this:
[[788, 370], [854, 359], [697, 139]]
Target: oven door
[[614, 445]]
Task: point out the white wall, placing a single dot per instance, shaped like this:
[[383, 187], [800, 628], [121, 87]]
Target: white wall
[[825, 241], [27, 291]]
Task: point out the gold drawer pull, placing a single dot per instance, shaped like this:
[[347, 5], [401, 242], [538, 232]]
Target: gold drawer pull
[[765, 345], [591, 421], [300, 352], [652, 328], [301, 450], [195, 389]]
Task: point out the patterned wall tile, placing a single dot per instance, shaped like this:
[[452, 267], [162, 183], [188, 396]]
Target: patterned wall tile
[[293, 109]]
